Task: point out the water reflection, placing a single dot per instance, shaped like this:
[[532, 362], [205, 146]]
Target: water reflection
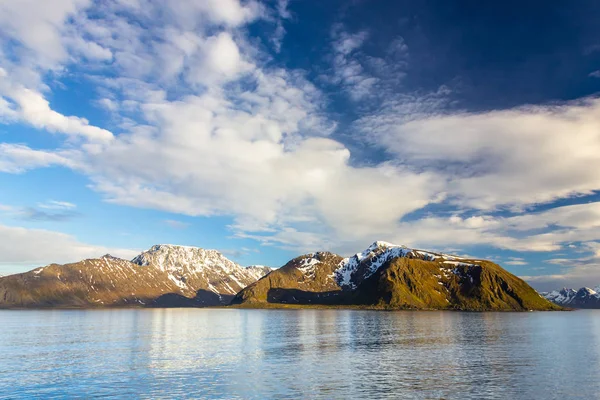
[[226, 353]]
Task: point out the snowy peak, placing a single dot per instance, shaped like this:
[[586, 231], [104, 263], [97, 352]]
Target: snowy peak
[[563, 297], [257, 271], [168, 257], [193, 268], [380, 244], [585, 291], [582, 298], [164, 275], [360, 266]]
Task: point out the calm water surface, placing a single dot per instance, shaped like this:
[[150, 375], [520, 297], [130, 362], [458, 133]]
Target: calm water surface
[[275, 354]]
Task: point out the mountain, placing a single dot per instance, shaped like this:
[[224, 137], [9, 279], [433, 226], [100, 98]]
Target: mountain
[[389, 276], [582, 298], [165, 275]]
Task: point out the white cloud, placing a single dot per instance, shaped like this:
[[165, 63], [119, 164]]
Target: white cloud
[[516, 261], [30, 106], [221, 56], [57, 205], [34, 109], [348, 70], [229, 12], [39, 25], [108, 104], [283, 13], [15, 158], [595, 74], [365, 78], [89, 50], [546, 231], [511, 158], [576, 273], [22, 248]]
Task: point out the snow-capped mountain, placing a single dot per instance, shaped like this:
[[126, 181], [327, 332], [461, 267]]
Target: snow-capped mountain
[[392, 276], [165, 275], [582, 298], [353, 270], [193, 268]]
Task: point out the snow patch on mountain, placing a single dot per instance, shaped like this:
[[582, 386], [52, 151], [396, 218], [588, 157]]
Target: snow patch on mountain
[[372, 258], [169, 257], [258, 271], [183, 263], [570, 297], [359, 267]]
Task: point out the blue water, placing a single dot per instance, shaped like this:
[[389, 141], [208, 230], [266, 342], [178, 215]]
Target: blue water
[[276, 354]]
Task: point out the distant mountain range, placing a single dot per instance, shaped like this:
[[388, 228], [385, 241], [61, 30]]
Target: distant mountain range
[[389, 276], [582, 298], [384, 276], [165, 275]]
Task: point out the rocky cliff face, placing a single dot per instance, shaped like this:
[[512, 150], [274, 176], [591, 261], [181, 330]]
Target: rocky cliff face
[[582, 298], [193, 269], [165, 275], [395, 277]]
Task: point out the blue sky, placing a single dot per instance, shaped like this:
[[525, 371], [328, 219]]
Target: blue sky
[[269, 129]]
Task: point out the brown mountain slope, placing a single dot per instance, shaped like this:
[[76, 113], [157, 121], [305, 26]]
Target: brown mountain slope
[[306, 279], [93, 282], [163, 276], [405, 283], [395, 277]]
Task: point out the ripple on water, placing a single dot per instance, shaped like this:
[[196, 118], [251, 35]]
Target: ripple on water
[[277, 354]]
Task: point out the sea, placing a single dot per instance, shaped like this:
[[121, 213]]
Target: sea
[[298, 354]]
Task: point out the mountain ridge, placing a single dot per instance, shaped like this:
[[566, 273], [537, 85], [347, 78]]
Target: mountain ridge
[[384, 275], [584, 297], [164, 275], [390, 276]]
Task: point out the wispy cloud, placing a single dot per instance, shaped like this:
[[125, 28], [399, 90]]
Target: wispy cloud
[[283, 13], [35, 214], [21, 247], [57, 205], [516, 261], [239, 253], [595, 74], [176, 224]]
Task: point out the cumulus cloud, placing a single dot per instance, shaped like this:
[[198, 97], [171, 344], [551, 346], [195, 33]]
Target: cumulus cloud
[[510, 158], [39, 27], [17, 158], [30, 106], [30, 248], [575, 273], [201, 153]]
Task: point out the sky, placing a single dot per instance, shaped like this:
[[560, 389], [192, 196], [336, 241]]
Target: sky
[[270, 129]]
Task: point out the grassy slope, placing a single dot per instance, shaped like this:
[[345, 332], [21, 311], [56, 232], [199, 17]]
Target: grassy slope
[[405, 283], [289, 277], [412, 284]]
